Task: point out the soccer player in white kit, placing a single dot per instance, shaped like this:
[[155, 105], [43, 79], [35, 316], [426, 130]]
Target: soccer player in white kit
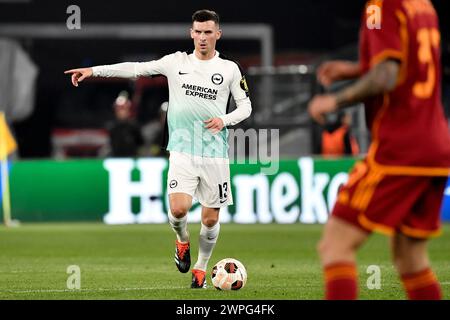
[[200, 85]]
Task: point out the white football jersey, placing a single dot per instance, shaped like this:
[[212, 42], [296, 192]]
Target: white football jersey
[[198, 90]]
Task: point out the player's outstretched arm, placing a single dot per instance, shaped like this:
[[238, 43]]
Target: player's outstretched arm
[[127, 70], [335, 70], [79, 74]]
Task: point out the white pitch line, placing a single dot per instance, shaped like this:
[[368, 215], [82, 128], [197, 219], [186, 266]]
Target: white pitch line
[[105, 289], [89, 290]]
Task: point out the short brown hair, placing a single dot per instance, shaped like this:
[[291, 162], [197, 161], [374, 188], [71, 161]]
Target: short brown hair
[[205, 15]]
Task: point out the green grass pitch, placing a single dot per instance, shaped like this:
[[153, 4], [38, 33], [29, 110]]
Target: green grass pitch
[[136, 262]]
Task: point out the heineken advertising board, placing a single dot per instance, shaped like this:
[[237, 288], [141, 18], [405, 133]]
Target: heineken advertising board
[[122, 191]]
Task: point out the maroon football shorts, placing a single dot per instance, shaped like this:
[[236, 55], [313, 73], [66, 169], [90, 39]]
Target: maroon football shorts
[[388, 204]]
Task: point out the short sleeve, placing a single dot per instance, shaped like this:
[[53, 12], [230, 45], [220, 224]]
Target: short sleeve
[[382, 31]]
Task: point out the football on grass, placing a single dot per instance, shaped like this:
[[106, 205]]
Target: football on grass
[[229, 274]]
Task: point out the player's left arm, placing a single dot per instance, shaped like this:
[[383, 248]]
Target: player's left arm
[[380, 79], [385, 46], [240, 92]]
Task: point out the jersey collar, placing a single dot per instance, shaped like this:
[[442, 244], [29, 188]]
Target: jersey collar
[[205, 61]]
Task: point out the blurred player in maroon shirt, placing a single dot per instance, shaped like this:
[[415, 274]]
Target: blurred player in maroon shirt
[[397, 189]]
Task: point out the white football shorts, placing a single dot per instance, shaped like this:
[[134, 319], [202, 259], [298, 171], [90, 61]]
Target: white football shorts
[[203, 178]]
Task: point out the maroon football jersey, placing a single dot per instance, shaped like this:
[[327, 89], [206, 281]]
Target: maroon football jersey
[[410, 135]]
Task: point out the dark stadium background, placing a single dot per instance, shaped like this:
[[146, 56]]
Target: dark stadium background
[[307, 26]]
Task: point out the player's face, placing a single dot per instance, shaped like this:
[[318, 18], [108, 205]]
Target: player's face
[[205, 35]]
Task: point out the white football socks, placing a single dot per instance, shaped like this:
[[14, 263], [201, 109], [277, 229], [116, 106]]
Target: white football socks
[[179, 226], [207, 241]]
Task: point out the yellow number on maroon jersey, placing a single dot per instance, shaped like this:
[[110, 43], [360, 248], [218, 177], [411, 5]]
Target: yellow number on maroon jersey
[[428, 39]]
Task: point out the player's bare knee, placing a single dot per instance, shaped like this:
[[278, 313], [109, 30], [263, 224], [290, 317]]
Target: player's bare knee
[[409, 263], [409, 255], [330, 250], [178, 211], [210, 222], [325, 248], [403, 265]]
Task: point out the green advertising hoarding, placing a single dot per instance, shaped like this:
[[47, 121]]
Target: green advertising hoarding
[[119, 191]]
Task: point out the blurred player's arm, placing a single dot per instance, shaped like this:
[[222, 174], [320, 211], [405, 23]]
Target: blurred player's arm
[[336, 70], [380, 79]]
